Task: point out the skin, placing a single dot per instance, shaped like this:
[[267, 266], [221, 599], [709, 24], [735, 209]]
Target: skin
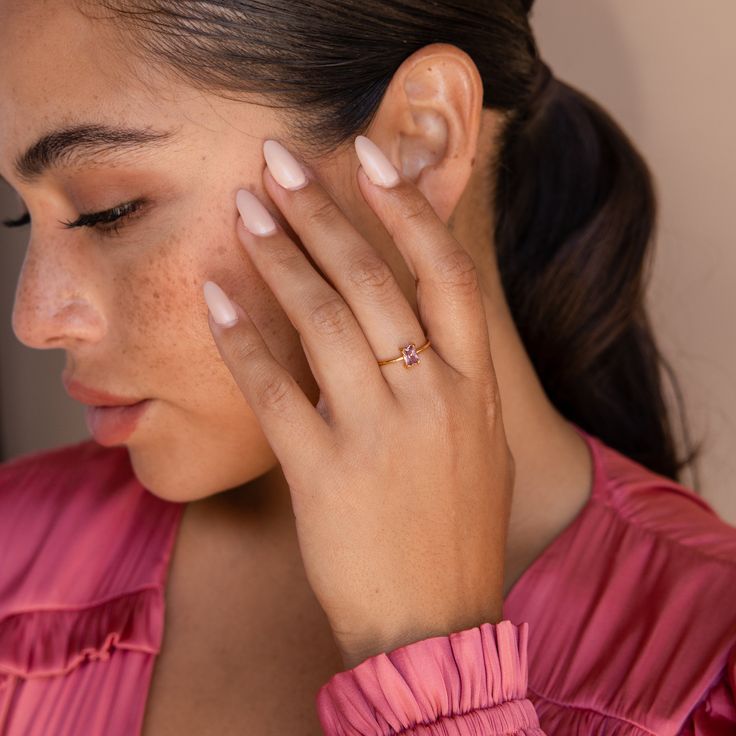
[[128, 310]]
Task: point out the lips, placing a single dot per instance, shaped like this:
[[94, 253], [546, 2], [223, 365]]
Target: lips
[[113, 425], [95, 397], [110, 418]]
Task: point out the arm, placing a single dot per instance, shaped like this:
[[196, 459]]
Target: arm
[[472, 681]]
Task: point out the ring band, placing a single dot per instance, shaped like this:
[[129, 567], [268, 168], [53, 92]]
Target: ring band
[[408, 355]]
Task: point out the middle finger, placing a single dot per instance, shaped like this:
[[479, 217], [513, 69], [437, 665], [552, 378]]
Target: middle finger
[[349, 262]]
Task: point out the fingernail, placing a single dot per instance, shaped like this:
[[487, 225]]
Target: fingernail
[[375, 164], [283, 166], [220, 306], [255, 216]]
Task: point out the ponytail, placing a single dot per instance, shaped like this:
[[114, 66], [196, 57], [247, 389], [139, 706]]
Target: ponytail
[[576, 210]]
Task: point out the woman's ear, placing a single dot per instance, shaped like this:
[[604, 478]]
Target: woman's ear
[[429, 120]]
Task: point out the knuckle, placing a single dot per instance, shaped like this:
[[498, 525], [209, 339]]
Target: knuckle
[[331, 318], [321, 214], [370, 273], [284, 260], [456, 271], [415, 208], [246, 352], [273, 392], [492, 403], [492, 410]]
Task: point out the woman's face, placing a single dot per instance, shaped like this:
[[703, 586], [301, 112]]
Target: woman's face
[[127, 307]]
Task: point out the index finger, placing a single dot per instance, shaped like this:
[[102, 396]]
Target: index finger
[[448, 290]]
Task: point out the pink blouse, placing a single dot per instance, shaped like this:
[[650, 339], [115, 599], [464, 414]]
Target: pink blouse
[[625, 624]]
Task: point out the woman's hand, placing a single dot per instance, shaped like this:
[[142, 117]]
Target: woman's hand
[[401, 476]]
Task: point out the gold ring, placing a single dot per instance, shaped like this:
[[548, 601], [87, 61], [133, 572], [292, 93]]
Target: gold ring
[[408, 355]]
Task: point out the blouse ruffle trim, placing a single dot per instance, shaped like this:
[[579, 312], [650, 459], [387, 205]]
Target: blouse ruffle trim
[[54, 641], [477, 678]]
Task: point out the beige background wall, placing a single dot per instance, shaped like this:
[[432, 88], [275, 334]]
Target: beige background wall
[[667, 73]]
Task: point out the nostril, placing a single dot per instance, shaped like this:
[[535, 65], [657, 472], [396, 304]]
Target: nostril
[[38, 322]]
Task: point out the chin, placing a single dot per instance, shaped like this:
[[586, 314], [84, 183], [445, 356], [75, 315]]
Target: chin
[[182, 471]]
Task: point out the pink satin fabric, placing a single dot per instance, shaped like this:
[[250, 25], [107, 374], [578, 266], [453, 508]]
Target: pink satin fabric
[[624, 625]]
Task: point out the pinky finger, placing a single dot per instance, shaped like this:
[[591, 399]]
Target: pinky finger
[[282, 408]]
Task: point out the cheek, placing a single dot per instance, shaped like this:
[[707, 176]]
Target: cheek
[[167, 315]]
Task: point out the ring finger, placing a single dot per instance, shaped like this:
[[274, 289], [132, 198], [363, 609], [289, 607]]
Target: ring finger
[[365, 281]]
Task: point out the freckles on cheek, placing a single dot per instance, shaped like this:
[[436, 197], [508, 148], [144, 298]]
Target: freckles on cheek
[[154, 302], [221, 257], [202, 246], [162, 290]]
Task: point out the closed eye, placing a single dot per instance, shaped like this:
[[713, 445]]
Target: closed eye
[[24, 219], [107, 221]]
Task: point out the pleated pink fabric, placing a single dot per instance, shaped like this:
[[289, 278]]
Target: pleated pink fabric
[[624, 625]]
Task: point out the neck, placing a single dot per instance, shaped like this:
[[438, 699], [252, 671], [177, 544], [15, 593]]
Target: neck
[[553, 464]]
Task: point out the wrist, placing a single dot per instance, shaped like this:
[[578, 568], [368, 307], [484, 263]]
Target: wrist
[[358, 649]]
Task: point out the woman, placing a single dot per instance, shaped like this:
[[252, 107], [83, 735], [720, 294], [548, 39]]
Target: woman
[[415, 462]]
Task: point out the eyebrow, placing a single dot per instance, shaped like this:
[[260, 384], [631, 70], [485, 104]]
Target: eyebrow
[[82, 143]]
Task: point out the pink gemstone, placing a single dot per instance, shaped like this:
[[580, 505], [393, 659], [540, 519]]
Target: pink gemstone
[[410, 355]]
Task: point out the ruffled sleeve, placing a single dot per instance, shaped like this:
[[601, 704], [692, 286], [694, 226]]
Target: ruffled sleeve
[[469, 683]]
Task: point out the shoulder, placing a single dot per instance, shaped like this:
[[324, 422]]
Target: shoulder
[[70, 517], [84, 549], [636, 585], [666, 509]]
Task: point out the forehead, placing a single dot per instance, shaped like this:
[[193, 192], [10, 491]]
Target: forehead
[[56, 61], [60, 68]]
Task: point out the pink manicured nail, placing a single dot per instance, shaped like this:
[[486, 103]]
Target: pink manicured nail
[[379, 169], [219, 305], [283, 166], [255, 216]]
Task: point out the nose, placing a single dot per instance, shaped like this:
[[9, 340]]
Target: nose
[[55, 303]]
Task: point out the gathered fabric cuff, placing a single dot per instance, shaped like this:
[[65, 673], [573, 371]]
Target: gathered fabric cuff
[[468, 683]]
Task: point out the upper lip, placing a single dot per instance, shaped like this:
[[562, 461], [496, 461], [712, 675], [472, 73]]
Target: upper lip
[[93, 397]]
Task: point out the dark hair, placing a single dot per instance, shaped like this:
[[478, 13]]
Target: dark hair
[[574, 201]]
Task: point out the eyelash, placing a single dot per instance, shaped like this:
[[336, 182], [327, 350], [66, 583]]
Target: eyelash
[[108, 222]]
